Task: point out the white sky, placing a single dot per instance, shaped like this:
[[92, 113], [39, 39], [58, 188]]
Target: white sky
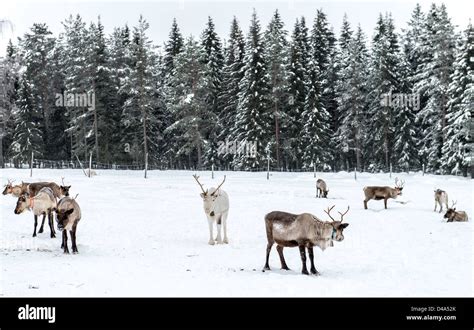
[[192, 14]]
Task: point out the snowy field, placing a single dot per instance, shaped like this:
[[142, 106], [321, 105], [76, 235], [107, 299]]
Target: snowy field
[[149, 237]]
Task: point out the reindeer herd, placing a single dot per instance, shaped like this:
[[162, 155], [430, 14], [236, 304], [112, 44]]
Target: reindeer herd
[[304, 231], [44, 198]]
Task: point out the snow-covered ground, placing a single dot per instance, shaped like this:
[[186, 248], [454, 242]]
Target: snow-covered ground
[[149, 237]]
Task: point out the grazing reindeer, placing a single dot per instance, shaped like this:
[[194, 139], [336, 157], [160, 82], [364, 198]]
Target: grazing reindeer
[[43, 202], [379, 193], [453, 215], [216, 207], [68, 214], [302, 230], [321, 189], [441, 197]]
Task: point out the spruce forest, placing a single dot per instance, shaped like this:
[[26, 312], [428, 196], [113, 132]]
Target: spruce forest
[[299, 97]]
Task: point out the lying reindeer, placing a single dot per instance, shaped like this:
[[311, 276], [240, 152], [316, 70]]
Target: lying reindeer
[[68, 214], [43, 203], [453, 215], [321, 189], [441, 197], [302, 230], [379, 193], [216, 207]]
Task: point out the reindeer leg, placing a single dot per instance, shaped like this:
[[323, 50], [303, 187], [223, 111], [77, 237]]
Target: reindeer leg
[[66, 250], [365, 204], [73, 238], [224, 222], [269, 248], [282, 257], [211, 235], [42, 224], [385, 202], [311, 259], [219, 225], [51, 224], [304, 270], [36, 224]]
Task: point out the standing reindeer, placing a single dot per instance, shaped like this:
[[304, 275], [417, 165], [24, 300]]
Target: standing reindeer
[[68, 215], [453, 215], [43, 203], [441, 197], [16, 191], [321, 189], [216, 207], [379, 193], [302, 230]]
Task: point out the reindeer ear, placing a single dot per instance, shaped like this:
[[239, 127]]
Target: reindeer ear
[[202, 195], [69, 211], [68, 187], [343, 225]]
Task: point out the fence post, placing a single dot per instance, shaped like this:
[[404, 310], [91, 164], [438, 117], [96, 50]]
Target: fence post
[[146, 163], [355, 173], [390, 170], [31, 165], [314, 169], [268, 167], [90, 164], [423, 166], [212, 171]]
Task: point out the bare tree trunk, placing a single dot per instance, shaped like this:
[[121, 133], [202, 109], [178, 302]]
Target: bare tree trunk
[[277, 138]]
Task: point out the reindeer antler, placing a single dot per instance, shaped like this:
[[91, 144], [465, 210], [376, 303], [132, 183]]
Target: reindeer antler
[[398, 183], [62, 180], [453, 202], [343, 214], [217, 189], [199, 183], [9, 183], [328, 211]]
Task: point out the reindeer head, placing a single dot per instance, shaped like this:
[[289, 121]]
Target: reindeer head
[[8, 188], [62, 217], [64, 190], [337, 225], [451, 211], [399, 186], [209, 196], [22, 203]]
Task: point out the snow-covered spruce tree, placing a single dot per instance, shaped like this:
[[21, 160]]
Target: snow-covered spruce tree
[[232, 74], [342, 62], [297, 90], [322, 42], [457, 149], [213, 58], [188, 100], [77, 81], [384, 80], [173, 47], [140, 114], [9, 85], [432, 82], [253, 120], [352, 99], [276, 56], [27, 138], [119, 46], [37, 48]]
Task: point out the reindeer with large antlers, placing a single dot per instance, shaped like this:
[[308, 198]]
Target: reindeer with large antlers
[[453, 215], [304, 231], [216, 207], [379, 193]]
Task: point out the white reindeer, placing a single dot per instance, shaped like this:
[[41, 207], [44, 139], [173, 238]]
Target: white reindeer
[[216, 207]]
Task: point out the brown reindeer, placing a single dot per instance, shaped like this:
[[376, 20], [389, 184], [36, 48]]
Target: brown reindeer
[[453, 215], [302, 230], [441, 197], [321, 189], [15, 191], [68, 214], [379, 193]]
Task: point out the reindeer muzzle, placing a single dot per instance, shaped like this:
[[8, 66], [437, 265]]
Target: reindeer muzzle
[[212, 213]]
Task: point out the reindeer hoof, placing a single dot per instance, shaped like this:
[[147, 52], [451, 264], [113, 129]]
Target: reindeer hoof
[[211, 242], [226, 240], [34, 235], [40, 231], [265, 268], [305, 272], [314, 272]]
